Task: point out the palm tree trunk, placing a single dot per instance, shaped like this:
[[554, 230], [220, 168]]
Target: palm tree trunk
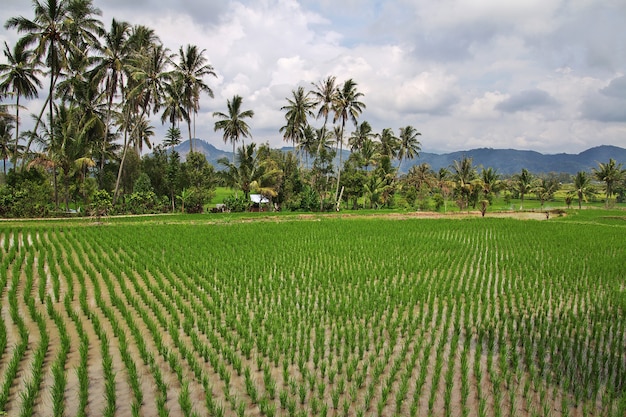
[[17, 129], [56, 187], [343, 125], [189, 130], [126, 146], [119, 171], [32, 137]]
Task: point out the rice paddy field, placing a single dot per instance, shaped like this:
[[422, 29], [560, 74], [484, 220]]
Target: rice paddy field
[[315, 316]]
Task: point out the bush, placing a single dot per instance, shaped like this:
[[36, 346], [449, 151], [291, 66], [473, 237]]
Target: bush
[[26, 194], [236, 204]]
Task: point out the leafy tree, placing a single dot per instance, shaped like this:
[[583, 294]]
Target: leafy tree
[[611, 174], [101, 204], [21, 78], [184, 196], [172, 137], [233, 123]]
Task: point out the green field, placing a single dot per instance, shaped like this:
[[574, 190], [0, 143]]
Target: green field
[[317, 315]]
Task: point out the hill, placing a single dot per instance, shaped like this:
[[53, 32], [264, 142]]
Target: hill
[[506, 161]]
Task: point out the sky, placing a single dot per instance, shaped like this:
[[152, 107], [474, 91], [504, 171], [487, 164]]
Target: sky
[[543, 75]]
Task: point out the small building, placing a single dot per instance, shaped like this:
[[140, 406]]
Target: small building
[[257, 202]]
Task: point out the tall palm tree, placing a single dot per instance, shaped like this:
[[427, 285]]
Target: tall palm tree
[[583, 187], [369, 153], [410, 147], [6, 148], [174, 109], [346, 106], [523, 183], [491, 181], [389, 143], [149, 74], [50, 34], [463, 173], [362, 133], [192, 67], [83, 26], [20, 77], [110, 70], [324, 94], [611, 174], [250, 171], [300, 107], [233, 123]]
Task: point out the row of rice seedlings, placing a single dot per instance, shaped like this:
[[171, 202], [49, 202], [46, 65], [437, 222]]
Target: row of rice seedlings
[[12, 367], [110, 395], [74, 270], [184, 401], [32, 387], [58, 367]]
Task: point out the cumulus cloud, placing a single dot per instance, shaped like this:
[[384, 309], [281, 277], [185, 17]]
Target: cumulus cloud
[[607, 104], [525, 101], [465, 73]]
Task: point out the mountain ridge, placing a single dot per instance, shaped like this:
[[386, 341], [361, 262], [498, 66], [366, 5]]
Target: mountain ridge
[[505, 161]]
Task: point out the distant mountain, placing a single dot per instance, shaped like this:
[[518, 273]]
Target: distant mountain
[[211, 153], [511, 161], [506, 161]]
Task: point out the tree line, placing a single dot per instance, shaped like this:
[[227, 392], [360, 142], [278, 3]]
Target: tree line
[[105, 84]]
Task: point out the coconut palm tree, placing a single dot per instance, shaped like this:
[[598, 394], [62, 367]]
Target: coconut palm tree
[[6, 148], [583, 187], [192, 67], [149, 74], [523, 183], [233, 123], [410, 147], [324, 94], [491, 181], [362, 133], [50, 34], [463, 174], [389, 143], [19, 77], [174, 109], [250, 171], [611, 174], [114, 55], [83, 26], [346, 106], [545, 189], [300, 107]]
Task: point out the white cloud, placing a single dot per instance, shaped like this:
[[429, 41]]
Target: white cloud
[[465, 73]]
